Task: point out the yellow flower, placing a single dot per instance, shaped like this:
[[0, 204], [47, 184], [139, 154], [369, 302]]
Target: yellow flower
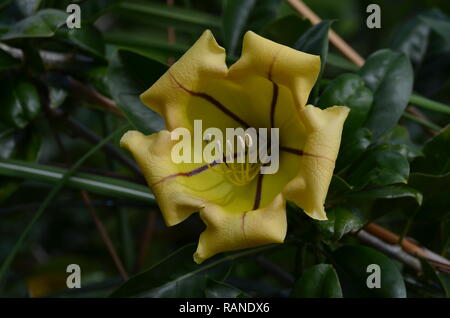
[[267, 87]]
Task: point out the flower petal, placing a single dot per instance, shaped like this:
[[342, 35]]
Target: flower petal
[[231, 231], [296, 70], [204, 60], [309, 188], [182, 189]]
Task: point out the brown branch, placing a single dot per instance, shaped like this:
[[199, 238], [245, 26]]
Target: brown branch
[[389, 249], [337, 41], [89, 94], [437, 261], [104, 235]]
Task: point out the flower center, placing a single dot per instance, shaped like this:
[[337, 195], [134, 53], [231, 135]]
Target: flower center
[[239, 173]]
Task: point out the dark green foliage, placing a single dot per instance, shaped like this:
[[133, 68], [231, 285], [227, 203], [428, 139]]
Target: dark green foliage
[[61, 91]]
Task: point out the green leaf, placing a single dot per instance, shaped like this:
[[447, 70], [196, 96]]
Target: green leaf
[[435, 190], [178, 275], [441, 27], [398, 137], [7, 61], [129, 75], [91, 10], [442, 280], [349, 90], [234, 19], [341, 220], [338, 187], [412, 39], [380, 166], [43, 24], [351, 265], [264, 12], [156, 49], [436, 159], [388, 192], [318, 281], [340, 62], [315, 41], [217, 289], [389, 75], [89, 39], [353, 147], [276, 31], [20, 103], [175, 13], [28, 7]]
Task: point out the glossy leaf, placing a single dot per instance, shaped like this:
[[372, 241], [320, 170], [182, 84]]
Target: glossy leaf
[[319, 281], [129, 75], [20, 103], [388, 192], [436, 159], [89, 39], [351, 265], [341, 220], [440, 279], [353, 147], [349, 90], [276, 31], [217, 289], [412, 40], [315, 41], [91, 10], [441, 27], [28, 7], [378, 167], [43, 24], [178, 275], [389, 75], [235, 17], [175, 13], [264, 12], [398, 138]]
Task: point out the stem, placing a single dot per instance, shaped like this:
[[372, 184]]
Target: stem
[[98, 184], [422, 122], [53, 193], [429, 104]]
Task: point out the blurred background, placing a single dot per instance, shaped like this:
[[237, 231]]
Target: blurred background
[[63, 90]]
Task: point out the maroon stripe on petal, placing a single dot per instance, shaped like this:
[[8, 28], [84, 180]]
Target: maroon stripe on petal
[[213, 101], [294, 151], [190, 173], [299, 152], [257, 201], [273, 104]]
